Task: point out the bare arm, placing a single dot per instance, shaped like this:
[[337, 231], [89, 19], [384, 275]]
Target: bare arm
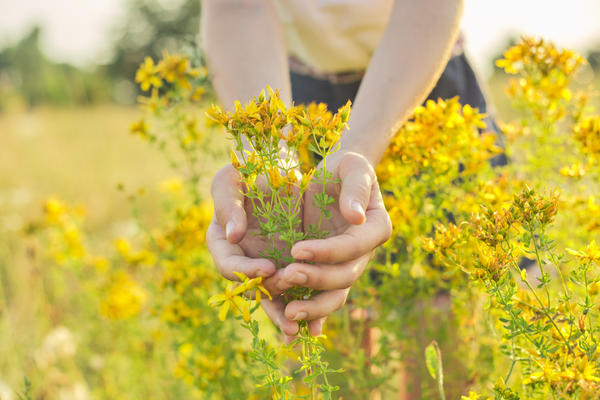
[[245, 49], [407, 62]]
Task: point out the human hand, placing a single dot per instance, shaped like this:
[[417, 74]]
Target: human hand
[[230, 237], [359, 224], [233, 244]]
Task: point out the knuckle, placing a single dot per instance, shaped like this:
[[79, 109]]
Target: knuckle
[[318, 280], [326, 254]]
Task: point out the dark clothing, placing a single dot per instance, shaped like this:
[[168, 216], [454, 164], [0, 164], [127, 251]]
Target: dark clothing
[[458, 79]]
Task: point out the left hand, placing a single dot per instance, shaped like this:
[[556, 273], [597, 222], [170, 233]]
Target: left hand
[[358, 225]]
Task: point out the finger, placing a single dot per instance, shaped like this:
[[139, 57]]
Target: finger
[[357, 178], [230, 258], [226, 190], [318, 306], [316, 327], [289, 339], [275, 283], [319, 276], [275, 311], [353, 243]]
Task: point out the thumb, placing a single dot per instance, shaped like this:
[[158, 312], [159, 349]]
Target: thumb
[[357, 178], [226, 190]]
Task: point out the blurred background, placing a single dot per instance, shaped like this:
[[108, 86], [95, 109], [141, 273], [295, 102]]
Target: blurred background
[[67, 92], [67, 98], [67, 68]]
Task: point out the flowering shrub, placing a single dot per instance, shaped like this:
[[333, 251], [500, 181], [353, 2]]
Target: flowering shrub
[[497, 264], [276, 192]]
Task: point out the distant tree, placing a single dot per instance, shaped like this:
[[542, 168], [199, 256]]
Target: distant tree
[[151, 26], [25, 70]]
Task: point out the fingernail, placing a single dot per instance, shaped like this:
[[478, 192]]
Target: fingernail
[[304, 255], [300, 316], [298, 278], [229, 228], [356, 206]]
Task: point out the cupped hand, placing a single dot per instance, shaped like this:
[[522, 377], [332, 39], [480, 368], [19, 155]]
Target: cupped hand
[[230, 237], [359, 223], [234, 244]]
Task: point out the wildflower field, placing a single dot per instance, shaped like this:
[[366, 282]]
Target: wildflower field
[[489, 287]]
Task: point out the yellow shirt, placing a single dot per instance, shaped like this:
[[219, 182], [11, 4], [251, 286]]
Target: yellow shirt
[[334, 35]]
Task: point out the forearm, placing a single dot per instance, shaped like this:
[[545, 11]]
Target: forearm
[[245, 50], [404, 69]]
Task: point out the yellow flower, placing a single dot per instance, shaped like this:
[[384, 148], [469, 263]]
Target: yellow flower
[[233, 298], [576, 171], [472, 396], [172, 185], [589, 372], [54, 209], [215, 113], [123, 247], [198, 93], [173, 68], [140, 128], [587, 133], [146, 75], [125, 298], [591, 253], [230, 299]]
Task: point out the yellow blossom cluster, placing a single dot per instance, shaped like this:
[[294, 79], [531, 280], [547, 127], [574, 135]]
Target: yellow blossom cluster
[[175, 86], [185, 266], [490, 255], [268, 136], [443, 135], [545, 74], [122, 297], [438, 155], [173, 69], [587, 133], [196, 367], [125, 298], [267, 124], [66, 243], [141, 257], [488, 248], [590, 254]]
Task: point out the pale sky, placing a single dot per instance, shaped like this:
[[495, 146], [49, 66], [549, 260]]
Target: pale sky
[[76, 30]]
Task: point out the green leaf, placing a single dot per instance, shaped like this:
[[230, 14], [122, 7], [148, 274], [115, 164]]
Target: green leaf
[[431, 359]]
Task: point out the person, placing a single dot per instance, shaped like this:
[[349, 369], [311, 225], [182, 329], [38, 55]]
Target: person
[[385, 55]]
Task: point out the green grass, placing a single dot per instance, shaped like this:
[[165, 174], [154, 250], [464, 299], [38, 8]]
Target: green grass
[[78, 155]]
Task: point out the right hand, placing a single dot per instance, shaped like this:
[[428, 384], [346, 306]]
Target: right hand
[[234, 245]]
